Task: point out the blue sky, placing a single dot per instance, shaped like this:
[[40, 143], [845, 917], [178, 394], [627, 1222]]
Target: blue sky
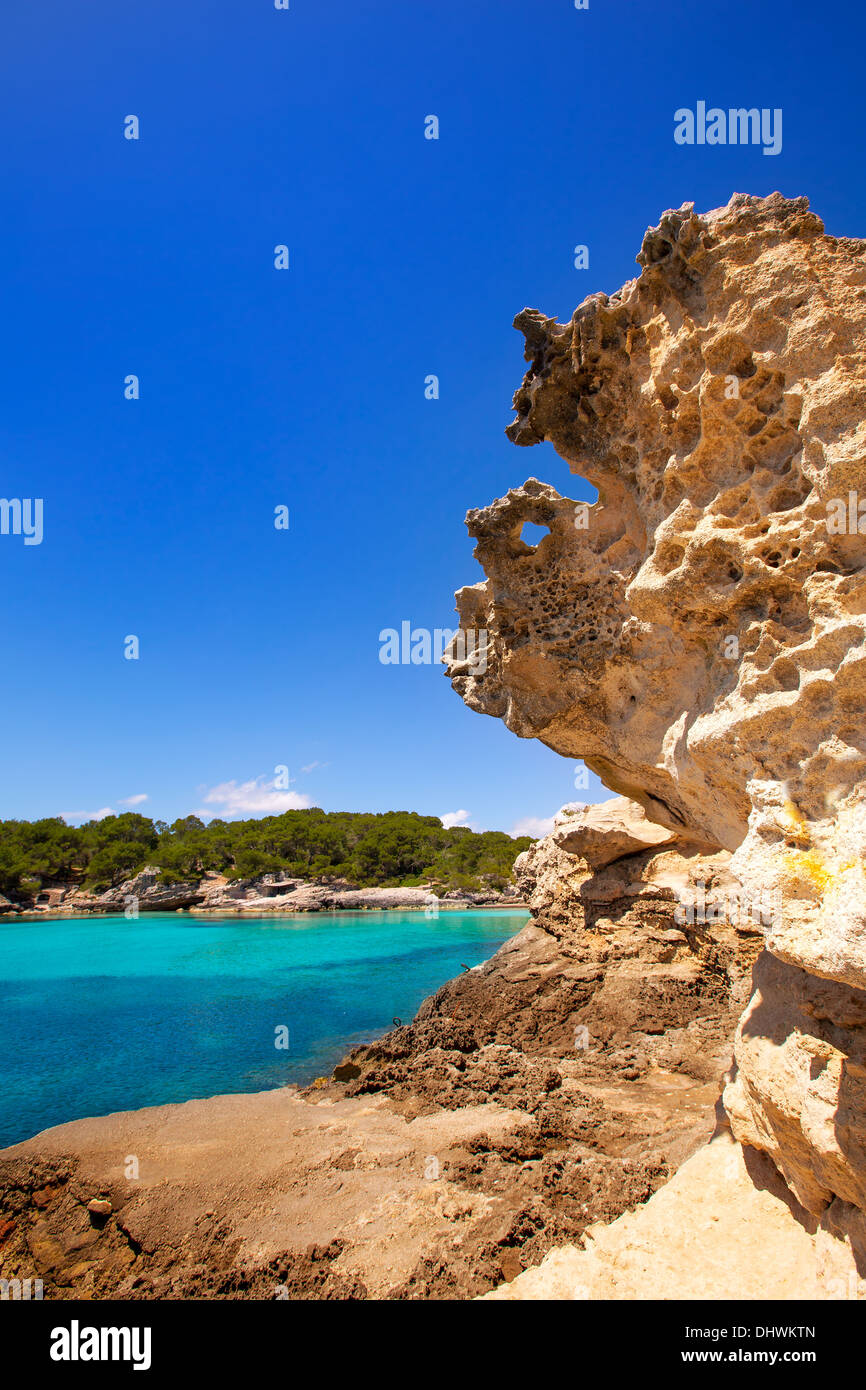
[[259, 648]]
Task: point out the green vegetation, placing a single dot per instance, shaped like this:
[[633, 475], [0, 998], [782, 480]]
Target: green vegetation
[[394, 848]]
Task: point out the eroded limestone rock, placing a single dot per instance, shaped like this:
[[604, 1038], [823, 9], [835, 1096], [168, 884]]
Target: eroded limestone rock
[[697, 635], [607, 831]]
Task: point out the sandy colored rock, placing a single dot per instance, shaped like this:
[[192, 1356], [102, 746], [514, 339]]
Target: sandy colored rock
[[724, 1228], [799, 1092], [697, 635], [608, 830], [240, 1196]]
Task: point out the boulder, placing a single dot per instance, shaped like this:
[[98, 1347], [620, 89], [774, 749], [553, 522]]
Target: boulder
[[607, 831]]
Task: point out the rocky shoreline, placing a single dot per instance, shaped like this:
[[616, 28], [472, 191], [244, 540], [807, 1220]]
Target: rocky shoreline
[[555, 1086], [548, 1126], [269, 893]]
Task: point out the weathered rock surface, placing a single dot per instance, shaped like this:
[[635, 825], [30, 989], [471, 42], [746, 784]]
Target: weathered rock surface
[[724, 1228], [608, 830], [248, 1196], [697, 635], [800, 1088], [605, 1023]]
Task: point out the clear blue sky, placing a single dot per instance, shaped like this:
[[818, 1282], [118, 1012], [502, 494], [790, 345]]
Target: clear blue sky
[[306, 387]]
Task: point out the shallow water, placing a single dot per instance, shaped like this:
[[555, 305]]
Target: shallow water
[[103, 1014]]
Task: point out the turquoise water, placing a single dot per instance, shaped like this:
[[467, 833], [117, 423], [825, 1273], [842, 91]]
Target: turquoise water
[[102, 1014]]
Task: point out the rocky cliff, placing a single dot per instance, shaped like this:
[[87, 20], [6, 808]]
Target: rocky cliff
[[697, 634]]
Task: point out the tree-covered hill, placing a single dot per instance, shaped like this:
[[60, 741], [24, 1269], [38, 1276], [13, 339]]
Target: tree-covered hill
[[370, 850]]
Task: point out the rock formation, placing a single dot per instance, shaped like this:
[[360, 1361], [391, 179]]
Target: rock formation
[[696, 635]]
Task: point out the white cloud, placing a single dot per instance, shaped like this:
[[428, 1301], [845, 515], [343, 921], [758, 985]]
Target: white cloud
[[73, 816], [78, 817], [258, 797], [536, 826], [311, 767], [452, 818]]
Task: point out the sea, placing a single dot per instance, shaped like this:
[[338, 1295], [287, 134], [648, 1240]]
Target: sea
[[100, 1014]]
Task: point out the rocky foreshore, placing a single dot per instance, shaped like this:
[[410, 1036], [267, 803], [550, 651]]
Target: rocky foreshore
[[146, 892], [510, 1137], [555, 1086]]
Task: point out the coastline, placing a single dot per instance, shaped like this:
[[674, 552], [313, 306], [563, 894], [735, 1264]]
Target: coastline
[[214, 894], [188, 1006], [549, 1121], [441, 1160], [256, 911]]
